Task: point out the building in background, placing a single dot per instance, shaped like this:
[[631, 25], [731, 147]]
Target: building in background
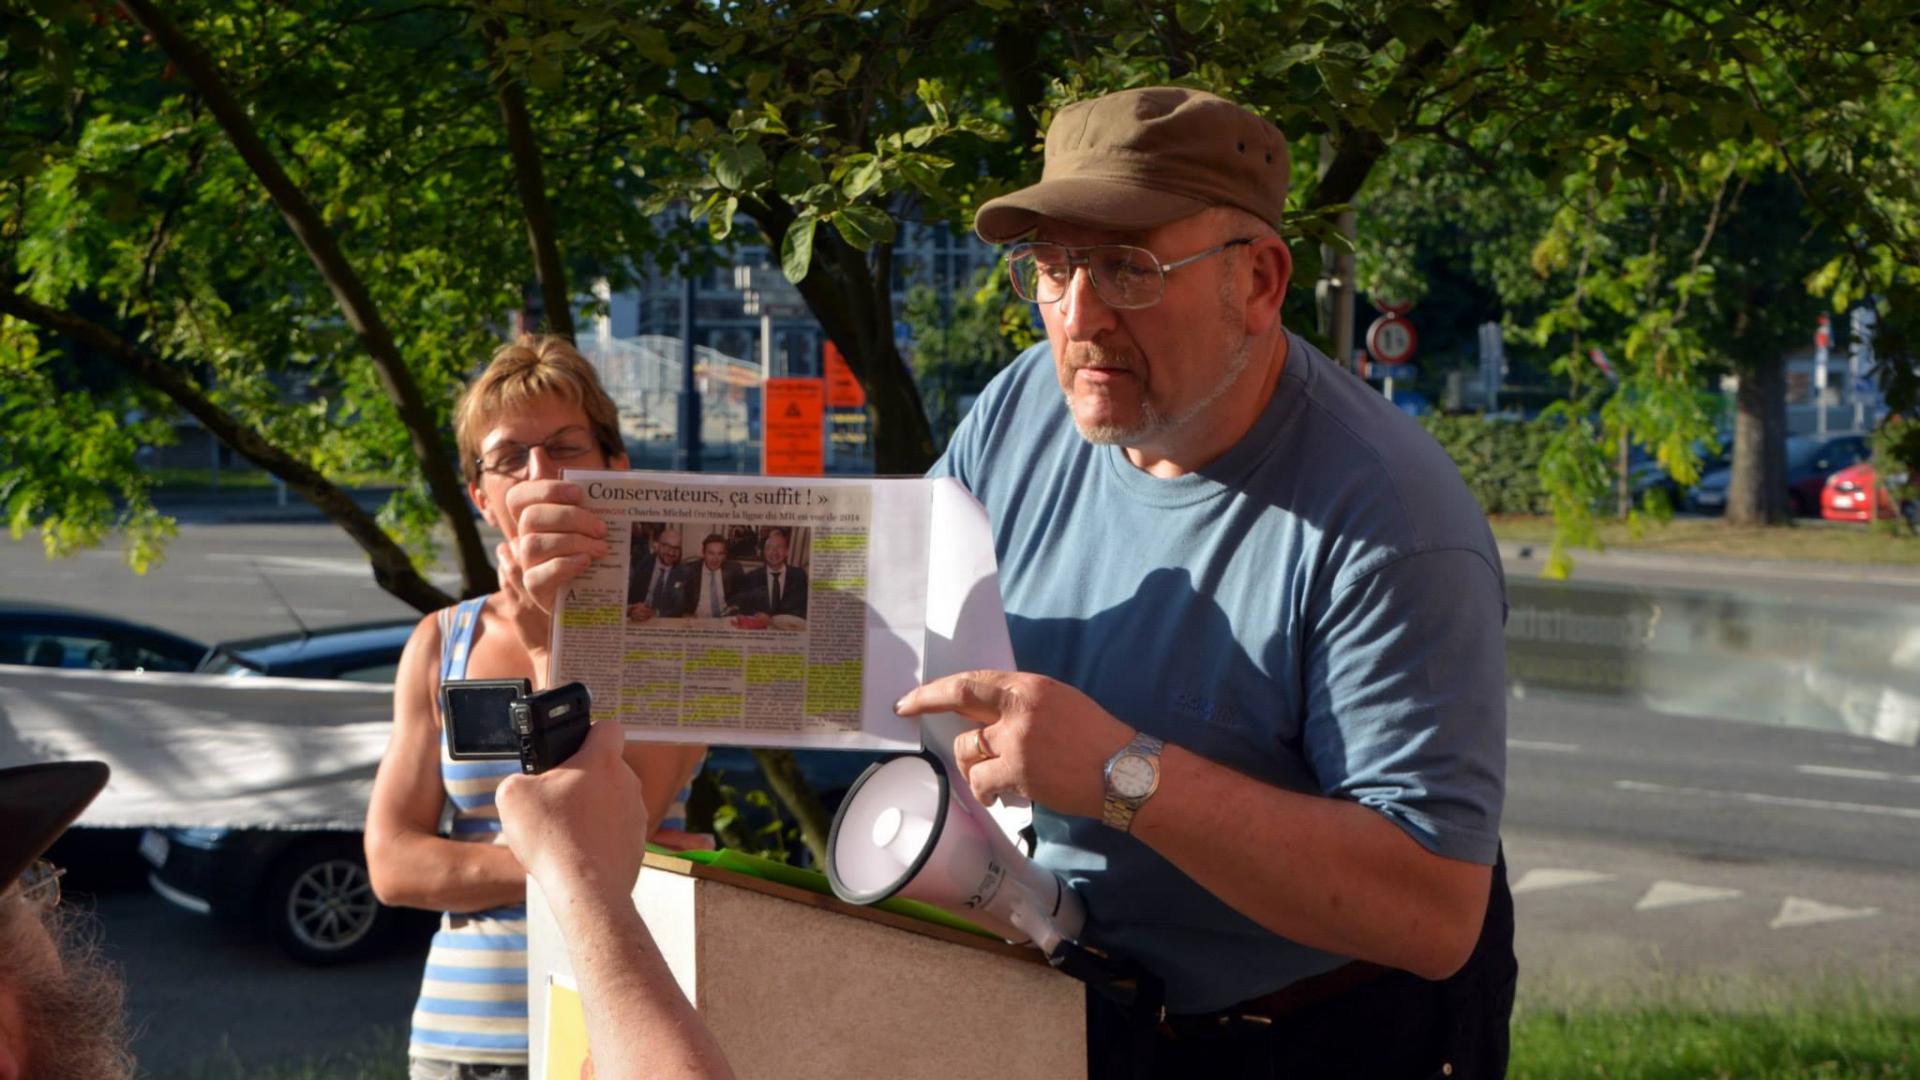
[[637, 347]]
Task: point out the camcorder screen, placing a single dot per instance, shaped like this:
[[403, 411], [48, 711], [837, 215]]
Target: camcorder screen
[[479, 721]]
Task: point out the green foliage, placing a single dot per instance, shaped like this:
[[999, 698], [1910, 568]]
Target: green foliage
[[750, 821], [121, 198], [1657, 181], [1499, 459], [1665, 183], [963, 340], [67, 464]]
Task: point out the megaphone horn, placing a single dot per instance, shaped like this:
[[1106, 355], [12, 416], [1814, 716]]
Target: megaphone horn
[[902, 832]]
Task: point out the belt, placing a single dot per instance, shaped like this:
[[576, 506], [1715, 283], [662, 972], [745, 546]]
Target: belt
[[1265, 1009]]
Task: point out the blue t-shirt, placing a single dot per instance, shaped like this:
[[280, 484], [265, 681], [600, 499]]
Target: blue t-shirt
[[1321, 609]]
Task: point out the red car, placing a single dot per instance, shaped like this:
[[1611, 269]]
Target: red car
[[1845, 496]]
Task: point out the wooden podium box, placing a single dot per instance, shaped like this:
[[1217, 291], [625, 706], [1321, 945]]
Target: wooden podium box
[[799, 985]]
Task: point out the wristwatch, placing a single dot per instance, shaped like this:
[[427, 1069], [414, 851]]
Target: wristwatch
[[1132, 776]]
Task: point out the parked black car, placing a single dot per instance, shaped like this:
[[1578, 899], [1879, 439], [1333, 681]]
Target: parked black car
[[362, 652], [1810, 460], [309, 888], [49, 635]]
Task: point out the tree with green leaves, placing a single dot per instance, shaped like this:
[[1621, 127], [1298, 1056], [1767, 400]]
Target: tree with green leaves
[[823, 124], [963, 339], [300, 228], [1632, 133]]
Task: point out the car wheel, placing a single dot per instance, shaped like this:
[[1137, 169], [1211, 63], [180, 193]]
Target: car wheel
[[321, 906]]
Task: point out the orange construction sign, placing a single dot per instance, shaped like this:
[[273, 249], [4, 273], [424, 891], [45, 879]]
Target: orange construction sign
[[843, 390], [793, 425]]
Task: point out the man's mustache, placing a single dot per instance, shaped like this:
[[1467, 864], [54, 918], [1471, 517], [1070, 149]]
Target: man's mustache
[[1088, 355]]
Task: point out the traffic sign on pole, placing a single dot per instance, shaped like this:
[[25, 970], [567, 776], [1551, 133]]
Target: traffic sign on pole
[[843, 389], [793, 428], [1822, 340], [1391, 339]]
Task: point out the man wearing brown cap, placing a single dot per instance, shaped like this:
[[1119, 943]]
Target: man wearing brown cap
[[1257, 615], [60, 1004]]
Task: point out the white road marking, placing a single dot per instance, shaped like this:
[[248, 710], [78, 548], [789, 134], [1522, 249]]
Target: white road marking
[[1537, 880], [1547, 747], [1856, 774], [1853, 748], [1798, 912], [1772, 800], [1676, 893]]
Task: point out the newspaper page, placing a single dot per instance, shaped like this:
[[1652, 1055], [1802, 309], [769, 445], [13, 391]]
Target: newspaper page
[[750, 610]]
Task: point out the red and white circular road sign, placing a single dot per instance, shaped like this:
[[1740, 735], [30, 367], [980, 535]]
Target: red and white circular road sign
[[1391, 340]]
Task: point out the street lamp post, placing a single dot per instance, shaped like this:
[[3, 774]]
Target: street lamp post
[[687, 455]]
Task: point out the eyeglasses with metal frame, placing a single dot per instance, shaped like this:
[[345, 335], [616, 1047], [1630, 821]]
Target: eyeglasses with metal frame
[[39, 884], [1124, 276], [510, 459]]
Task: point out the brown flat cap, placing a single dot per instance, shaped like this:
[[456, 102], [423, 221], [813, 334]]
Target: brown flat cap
[[1139, 159]]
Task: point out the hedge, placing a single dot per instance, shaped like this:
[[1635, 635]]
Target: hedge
[[1499, 459]]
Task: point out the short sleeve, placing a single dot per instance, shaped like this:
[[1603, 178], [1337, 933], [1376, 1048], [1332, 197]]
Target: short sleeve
[[1406, 698]]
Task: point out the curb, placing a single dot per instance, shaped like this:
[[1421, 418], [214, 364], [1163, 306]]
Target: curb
[[1859, 573]]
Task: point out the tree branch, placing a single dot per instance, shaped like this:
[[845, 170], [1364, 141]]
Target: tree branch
[[534, 206], [1356, 151], [356, 303], [393, 570]]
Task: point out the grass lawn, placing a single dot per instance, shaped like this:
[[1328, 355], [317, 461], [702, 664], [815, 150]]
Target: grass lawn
[[1657, 1042], [1855, 1034], [1806, 540], [1853, 1024]]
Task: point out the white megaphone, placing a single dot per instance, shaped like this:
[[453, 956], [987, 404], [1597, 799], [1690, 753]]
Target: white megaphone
[[902, 831]]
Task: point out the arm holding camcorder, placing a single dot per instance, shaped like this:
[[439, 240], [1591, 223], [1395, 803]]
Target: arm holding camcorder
[[556, 819]]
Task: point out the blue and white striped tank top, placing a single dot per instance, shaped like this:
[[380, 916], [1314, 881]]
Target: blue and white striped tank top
[[473, 999]]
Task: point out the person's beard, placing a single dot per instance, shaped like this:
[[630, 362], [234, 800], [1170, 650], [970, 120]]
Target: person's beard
[[1153, 423], [75, 1006]]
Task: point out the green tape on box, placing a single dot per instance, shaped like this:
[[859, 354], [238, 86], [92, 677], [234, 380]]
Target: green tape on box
[[816, 882]]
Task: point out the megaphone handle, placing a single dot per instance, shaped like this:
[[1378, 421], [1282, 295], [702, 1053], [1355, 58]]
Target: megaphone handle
[[1127, 985]]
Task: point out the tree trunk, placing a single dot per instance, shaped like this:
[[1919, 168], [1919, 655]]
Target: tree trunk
[[393, 570], [1757, 491], [530, 177], [1622, 478], [356, 303], [783, 776], [854, 303]]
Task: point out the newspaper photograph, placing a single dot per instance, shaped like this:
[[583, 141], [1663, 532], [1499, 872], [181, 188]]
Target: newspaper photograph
[[743, 610]]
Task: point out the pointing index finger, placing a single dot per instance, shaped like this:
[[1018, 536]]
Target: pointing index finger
[[975, 695]]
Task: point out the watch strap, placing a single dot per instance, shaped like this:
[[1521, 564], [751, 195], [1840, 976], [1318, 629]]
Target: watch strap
[[1117, 811]]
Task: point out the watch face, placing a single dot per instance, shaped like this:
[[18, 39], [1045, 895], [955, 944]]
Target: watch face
[[1133, 777]]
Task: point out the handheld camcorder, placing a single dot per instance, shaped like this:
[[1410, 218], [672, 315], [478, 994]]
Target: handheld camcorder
[[497, 720]]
